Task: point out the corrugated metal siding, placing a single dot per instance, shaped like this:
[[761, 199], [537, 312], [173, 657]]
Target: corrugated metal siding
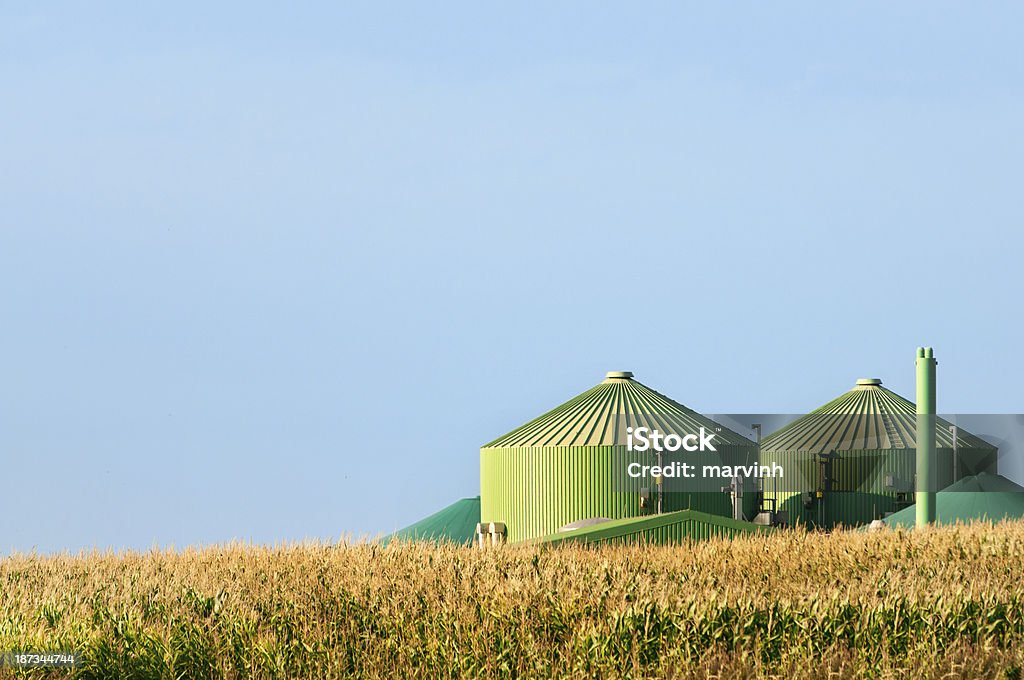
[[874, 432], [861, 491], [848, 508], [537, 490], [569, 463], [669, 528]]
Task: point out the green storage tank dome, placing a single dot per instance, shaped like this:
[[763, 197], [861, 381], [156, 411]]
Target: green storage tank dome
[[453, 524], [981, 497], [854, 459], [566, 465]]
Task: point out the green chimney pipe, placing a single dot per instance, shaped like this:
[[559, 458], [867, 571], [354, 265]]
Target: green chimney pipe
[[924, 496]]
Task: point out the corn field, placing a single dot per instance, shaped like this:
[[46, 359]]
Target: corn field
[[946, 602]]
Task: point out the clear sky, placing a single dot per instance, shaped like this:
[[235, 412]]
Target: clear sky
[[273, 274]]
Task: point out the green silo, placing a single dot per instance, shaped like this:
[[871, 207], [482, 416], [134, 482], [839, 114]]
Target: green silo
[[568, 464], [854, 459]]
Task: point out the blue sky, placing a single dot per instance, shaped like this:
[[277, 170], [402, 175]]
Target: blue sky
[[274, 275]]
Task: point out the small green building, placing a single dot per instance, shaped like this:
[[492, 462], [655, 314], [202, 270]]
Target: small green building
[[854, 459], [669, 527]]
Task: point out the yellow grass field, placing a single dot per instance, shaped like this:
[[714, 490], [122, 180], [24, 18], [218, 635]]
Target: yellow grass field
[[945, 602]]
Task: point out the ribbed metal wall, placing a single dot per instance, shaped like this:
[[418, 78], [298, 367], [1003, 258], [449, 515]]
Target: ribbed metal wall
[[868, 483], [688, 527], [693, 530], [534, 491], [872, 431], [537, 490]]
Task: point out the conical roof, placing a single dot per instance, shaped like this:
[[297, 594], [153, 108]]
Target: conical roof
[[867, 417], [600, 416], [985, 482], [979, 497]]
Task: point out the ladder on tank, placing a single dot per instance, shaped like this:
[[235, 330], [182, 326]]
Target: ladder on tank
[[895, 439]]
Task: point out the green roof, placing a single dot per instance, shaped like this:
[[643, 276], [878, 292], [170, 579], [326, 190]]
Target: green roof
[[600, 416], [986, 482], [455, 523], [979, 497], [669, 527], [868, 417]]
